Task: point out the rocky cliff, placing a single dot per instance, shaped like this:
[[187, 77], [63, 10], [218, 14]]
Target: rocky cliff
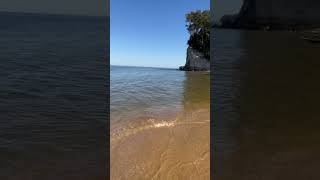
[[195, 61], [276, 13]]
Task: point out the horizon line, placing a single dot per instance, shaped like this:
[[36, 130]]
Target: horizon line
[[162, 67], [54, 14]]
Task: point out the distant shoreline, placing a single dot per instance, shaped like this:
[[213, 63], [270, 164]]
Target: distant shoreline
[[129, 66], [51, 14]]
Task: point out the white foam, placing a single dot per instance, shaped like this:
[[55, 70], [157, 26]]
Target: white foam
[[164, 124]]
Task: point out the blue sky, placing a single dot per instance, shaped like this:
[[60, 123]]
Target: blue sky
[[150, 33]]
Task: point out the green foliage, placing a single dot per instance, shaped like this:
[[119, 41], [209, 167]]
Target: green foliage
[[198, 25]]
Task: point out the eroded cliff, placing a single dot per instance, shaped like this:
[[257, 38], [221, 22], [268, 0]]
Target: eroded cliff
[[196, 61]]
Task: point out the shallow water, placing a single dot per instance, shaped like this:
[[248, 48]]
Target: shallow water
[[139, 92], [265, 106], [156, 115]]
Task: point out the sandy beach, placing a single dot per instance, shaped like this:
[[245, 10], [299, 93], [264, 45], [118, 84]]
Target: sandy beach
[[179, 149]]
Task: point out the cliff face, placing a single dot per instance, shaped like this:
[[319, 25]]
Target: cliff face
[[288, 13], [195, 61]]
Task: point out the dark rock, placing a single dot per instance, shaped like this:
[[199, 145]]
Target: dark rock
[[195, 61], [181, 68]]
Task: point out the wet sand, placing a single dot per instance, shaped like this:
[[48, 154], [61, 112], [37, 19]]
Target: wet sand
[[176, 149]]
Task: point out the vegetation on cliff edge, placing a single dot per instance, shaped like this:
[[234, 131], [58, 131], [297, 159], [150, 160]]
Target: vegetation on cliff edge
[[198, 25]]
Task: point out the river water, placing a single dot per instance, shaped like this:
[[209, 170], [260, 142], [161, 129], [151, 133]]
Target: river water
[[265, 106], [53, 89]]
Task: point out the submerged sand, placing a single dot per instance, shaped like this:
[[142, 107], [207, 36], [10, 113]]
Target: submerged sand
[[171, 149]]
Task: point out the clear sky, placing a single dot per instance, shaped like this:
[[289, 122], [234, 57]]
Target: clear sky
[[77, 7], [150, 33]]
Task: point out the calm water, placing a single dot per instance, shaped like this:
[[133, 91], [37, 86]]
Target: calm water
[[138, 91], [52, 97], [154, 92], [265, 106]]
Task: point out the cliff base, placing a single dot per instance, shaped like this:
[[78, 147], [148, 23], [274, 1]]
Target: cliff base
[[195, 61]]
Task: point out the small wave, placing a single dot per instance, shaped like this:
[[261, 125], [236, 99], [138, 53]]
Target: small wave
[[143, 124], [147, 124]]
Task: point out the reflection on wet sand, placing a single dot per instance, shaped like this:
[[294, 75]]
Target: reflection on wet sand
[[174, 146], [271, 129]]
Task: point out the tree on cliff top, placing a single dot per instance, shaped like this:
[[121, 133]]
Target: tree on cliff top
[[198, 25]]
